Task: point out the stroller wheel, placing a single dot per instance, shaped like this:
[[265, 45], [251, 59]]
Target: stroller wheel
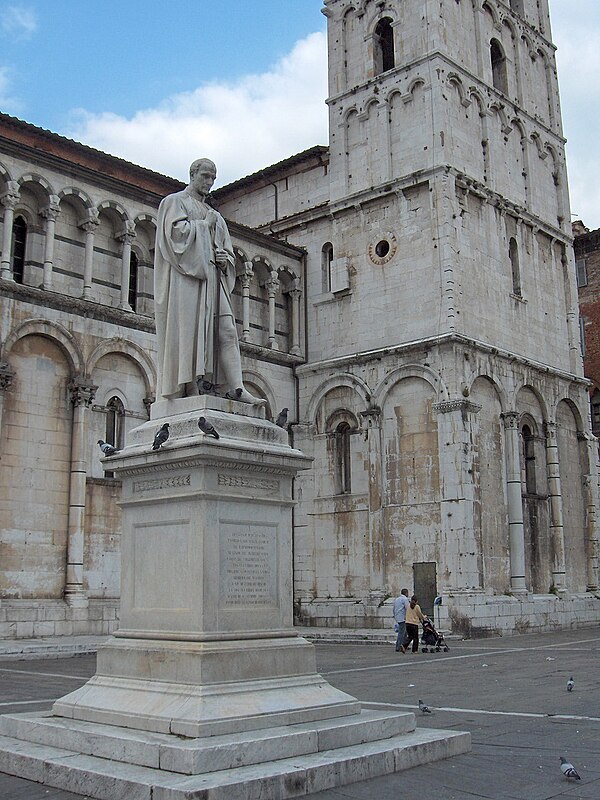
[[446, 649], [424, 650], [437, 649]]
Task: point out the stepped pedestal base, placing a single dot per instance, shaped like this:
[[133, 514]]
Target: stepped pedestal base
[[111, 763]]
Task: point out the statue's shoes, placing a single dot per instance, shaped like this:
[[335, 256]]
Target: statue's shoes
[[244, 396]]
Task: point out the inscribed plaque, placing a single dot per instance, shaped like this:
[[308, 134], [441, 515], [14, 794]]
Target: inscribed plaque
[[248, 564]]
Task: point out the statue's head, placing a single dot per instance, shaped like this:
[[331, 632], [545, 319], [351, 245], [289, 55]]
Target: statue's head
[[202, 164]]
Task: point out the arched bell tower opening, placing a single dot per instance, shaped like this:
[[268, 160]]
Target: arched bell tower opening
[[383, 46]]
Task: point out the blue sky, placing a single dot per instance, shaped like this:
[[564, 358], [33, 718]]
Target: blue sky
[[244, 81]]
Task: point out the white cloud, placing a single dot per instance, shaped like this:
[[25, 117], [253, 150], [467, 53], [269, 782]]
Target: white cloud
[[8, 103], [19, 21], [243, 126]]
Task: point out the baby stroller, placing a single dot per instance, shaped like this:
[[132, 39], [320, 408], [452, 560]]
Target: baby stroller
[[432, 640]]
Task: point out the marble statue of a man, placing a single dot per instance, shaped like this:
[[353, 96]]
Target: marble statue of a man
[[194, 274]]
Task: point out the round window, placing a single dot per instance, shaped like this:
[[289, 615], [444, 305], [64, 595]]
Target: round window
[[382, 248]]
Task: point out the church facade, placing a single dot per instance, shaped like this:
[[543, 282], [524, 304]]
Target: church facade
[[77, 364], [408, 292], [443, 397]]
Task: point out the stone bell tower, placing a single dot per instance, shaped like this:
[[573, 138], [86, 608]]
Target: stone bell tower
[[449, 218], [461, 97]]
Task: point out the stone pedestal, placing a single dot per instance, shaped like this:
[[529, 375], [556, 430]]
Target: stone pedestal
[[206, 642], [205, 676]]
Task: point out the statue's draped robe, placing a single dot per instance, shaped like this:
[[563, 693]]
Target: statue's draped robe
[[185, 276]]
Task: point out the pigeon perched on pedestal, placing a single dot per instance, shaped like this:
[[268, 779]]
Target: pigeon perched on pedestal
[[568, 770], [206, 427], [107, 449], [570, 684], [281, 420], [424, 708], [161, 436]]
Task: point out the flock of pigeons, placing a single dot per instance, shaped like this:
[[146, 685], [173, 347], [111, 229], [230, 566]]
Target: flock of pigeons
[[162, 434], [567, 769]]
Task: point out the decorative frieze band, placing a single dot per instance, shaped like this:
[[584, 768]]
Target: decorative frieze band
[[448, 406], [172, 482], [244, 482]]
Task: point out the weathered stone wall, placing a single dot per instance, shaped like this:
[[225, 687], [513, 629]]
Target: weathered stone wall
[[34, 472]]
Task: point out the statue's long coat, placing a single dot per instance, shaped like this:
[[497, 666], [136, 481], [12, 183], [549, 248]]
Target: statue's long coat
[[185, 278]]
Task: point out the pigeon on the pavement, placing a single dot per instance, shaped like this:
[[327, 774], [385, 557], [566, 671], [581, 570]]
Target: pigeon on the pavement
[[568, 770], [570, 684], [281, 420], [206, 427], [161, 436], [424, 708], [107, 448]]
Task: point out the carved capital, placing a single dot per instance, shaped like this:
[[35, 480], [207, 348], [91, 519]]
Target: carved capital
[[448, 406], [272, 286], [12, 195], [147, 401], [511, 419], [127, 235], [6, 376], [52, 210], [550, 429], [372, 414], [91, 222], [82, 392]]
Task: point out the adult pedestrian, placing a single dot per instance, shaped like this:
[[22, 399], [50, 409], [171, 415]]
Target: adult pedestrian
[[414, 616], [401, 603]]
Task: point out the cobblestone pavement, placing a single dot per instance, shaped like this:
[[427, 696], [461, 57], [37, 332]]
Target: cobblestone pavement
[[509, 692]]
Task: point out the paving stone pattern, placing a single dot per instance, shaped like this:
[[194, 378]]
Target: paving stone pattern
[[509, 692]]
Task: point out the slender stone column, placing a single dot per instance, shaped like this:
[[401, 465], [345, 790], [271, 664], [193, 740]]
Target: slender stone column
[[515, 503], [295, 294], [272, 288], [373, 433], [590, 496], [557, 536], [50, 213], [9, 200], [126, 238], [89, 225], [246, 278], [82, 395]]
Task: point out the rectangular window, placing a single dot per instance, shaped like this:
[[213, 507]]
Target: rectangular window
[[581, 272], [582, 335]]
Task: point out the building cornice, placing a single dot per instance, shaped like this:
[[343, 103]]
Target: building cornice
[[445, 339], [351, 202]]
